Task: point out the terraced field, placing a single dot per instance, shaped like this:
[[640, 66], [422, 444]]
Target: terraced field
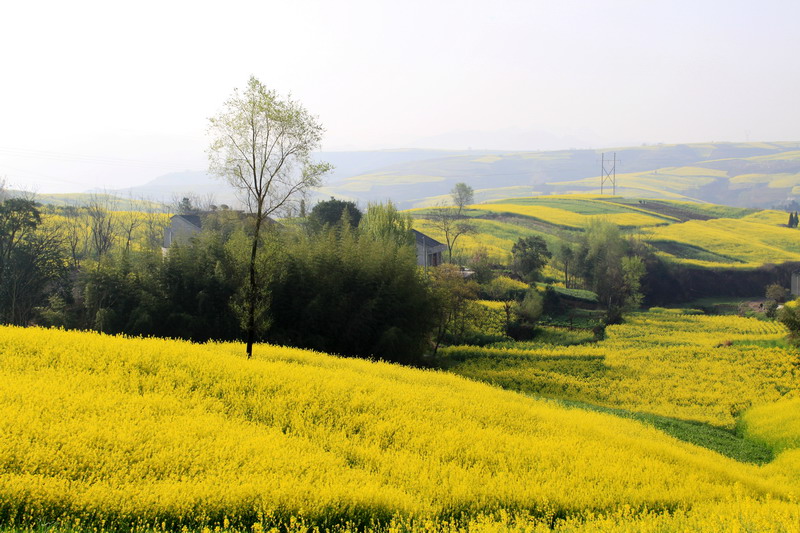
[[693, 234], [759, 175]]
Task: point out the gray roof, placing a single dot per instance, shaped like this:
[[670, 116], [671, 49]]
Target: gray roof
[[424, 240], [191, 219]]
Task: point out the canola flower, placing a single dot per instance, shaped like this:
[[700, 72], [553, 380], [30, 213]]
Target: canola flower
[[570, 219], [752, 240], [103, 432], [695, 367]]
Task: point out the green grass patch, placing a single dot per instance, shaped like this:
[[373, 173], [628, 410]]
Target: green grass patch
[[575, 319], [684, 250], [573, 294], [580, 206], [559, 336], [726, 442], [765, 343]]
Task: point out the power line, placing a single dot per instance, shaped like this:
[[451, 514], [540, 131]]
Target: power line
[[609, 174]]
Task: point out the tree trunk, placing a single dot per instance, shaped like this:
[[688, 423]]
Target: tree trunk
[[252, 297]]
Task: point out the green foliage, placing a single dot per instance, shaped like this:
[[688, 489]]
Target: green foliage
[[556, 336], [721, 440], [187, 294], [789, 315], [454, 298], [573, 294], [32, 263], [504, 288], [608, 266], [347, 293], [463, 195], [262, 144], [777, 292], [530, 308], [526, 314], [384, 223], [530, 255], [481, 264], [331, 213]]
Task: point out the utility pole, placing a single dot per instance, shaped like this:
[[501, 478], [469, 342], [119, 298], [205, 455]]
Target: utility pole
[[608, 174]]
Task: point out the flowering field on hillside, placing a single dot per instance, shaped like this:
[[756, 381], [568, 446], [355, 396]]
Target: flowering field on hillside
[[695, 367], [752, 240], [107, 433], [732, 238]]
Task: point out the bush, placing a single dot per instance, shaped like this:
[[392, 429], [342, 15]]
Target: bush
[[504, 288], [347, 293], [789, 315]]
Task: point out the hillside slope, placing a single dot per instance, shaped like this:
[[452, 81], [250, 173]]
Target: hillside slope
[[741, 174], [112, 433], [689, 234]]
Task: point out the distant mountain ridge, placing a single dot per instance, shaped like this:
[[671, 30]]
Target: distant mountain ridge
[[739, 174], [757, 174]]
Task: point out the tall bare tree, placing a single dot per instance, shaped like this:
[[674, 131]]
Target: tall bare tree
[[75, 229], [102, 224], [262, 145]]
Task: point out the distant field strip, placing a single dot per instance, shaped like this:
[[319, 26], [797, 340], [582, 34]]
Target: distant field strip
[[571, 219], [751, 243], [712, 236]]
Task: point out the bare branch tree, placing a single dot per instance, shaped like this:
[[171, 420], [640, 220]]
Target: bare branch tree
[[448, 221], [101, 225], [155, 222], [75, 232], [262, 145]]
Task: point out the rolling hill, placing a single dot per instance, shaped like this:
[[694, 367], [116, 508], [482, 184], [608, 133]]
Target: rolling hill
[[684, 233], [110, 433], [762, 175], [739, 174]]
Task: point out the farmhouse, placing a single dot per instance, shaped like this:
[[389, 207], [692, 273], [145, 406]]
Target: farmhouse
[[181, 229], [429, 251]]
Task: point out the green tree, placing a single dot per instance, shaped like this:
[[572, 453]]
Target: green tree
[[454, 296], [777, 292], [262, 145], [383, 222], [529, 256], [346, 292], [463, 195], [526, 313], [789, 315], [329, 213], [36, 268], [608, 266], [565, 259], [18, 218]]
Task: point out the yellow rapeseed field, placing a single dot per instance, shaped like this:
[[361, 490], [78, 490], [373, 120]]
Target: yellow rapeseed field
[[752, 240], [102, 433], [570, 219], [694, 367]]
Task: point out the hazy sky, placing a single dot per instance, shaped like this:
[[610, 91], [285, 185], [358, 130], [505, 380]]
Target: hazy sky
[[110, 94]]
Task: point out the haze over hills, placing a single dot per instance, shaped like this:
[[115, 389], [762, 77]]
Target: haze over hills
[[739, 174], [756, 174]]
